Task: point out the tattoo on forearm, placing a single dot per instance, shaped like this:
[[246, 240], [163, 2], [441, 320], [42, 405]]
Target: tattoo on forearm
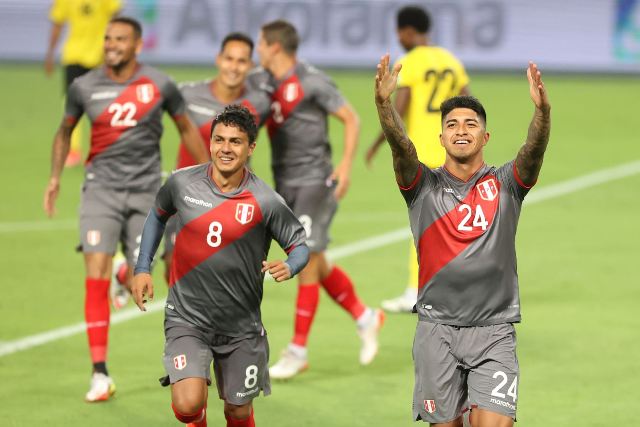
[[531, 154], [405, 157]]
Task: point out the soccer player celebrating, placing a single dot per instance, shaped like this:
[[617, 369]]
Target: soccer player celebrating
[[302, 98], [430, 75], [206, 98], [463, 218], [124, 101], [226, 219]]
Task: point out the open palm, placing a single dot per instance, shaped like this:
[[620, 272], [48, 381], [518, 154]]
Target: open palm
[[386, 81], [536, 87]]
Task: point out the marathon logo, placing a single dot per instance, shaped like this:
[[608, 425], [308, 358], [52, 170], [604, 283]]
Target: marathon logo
[[198, 202], [103, 95], [503, 403], [247, 393]]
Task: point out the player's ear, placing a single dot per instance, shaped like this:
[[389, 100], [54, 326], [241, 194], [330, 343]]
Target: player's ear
[[485, 138], [252, 147], [139, 44]]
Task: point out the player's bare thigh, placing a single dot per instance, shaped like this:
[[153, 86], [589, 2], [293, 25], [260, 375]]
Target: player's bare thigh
[[98, 264], [316, 270]]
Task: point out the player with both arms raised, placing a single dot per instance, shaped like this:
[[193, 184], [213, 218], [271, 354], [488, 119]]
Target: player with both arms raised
[[463, 218], [226, 219]]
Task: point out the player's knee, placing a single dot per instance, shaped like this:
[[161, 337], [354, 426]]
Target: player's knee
[[238, 412], [187, 404]]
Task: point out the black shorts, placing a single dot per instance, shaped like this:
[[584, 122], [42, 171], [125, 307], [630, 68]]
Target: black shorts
[[71, 72]]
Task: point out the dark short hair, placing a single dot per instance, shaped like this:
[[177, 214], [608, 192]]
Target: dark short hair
[[137, 28], [237, 37], [239, 116], [282, 32], [465, 101], [415, 17]]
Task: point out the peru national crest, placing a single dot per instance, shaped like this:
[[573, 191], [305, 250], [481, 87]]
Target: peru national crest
[[180, 362], [93, 237], [244, 213], [488, 189], [430, 406], [144, 92]]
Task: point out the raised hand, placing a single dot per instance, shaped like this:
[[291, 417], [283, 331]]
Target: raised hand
[[536, 87], [386, 81]]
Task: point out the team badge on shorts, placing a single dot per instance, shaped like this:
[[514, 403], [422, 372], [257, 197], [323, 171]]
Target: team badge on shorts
[[488, 189], [93, 237], [180, 362], [244, 213], [144, 93], [430, 406]]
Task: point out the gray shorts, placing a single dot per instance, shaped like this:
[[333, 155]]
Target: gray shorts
[[241, 365], [314, 205], [457, 368], [170, 235], [109, 216]]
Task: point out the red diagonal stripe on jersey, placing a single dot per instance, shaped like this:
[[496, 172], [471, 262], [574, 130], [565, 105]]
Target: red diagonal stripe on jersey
[[442, 241], [192, 247], [103, 134], [283, 101]]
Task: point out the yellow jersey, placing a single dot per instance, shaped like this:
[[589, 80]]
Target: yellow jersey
[[433, 74], [88, 21]]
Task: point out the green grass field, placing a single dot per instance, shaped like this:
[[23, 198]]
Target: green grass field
[[579, 345]]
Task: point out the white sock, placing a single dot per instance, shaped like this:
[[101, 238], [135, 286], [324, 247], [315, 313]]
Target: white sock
[[298, 350], [365, 318]]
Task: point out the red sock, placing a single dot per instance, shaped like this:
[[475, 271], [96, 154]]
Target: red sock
[[247, 422], [339, 286], [96, 315], [306, 306], [199, 419]]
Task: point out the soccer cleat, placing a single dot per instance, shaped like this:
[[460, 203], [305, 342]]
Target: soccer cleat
[[402, 304], [119, 293], [288, 366], [102, 388], [369, 336]]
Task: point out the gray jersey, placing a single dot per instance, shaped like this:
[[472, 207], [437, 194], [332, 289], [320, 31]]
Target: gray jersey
[[221, 241], [300, 105], [126, 125], [202, 107], [465, 236]]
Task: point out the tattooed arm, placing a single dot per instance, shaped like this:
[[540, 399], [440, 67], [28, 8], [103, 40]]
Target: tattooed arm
[[405, 158], [531, 154]]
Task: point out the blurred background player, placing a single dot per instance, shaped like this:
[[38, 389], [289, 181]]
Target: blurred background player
[[207, 98], [82, 48], [429, 75], [302, 99], [226, 220], [124, 101]]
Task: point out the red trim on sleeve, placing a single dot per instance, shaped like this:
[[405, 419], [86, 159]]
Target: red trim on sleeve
[[519, 180], [415, 180], [71, 120], [289, 249]]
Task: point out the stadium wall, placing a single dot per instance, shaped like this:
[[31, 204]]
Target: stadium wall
[[568, 35]]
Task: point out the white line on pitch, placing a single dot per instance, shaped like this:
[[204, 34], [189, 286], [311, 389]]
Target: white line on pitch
[[536, 196]]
